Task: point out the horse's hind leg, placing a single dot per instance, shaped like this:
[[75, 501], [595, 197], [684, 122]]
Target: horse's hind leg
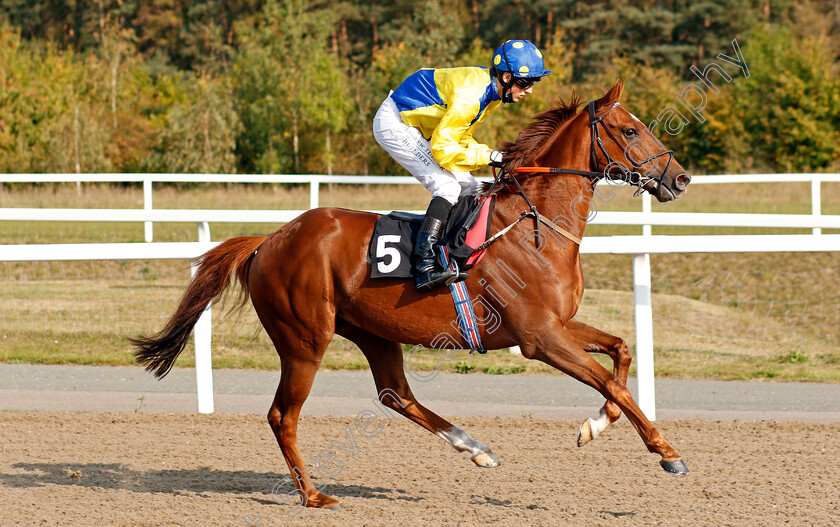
[[295, 382], [615, 347], [386, 364], [300, 353]]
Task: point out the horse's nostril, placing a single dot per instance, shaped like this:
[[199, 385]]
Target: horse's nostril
[[682, 181]]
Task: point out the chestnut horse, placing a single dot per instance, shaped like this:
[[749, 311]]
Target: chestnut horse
[[310, 280]]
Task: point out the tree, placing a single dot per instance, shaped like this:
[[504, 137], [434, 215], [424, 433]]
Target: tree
[[202, 44], [157, 24], [289, 87], [433, 36], [326, 103], [708, 26], [200, 134], [790, 105], [49, 121]]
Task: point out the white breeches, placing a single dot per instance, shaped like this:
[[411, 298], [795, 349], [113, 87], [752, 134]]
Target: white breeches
[[410, 149]]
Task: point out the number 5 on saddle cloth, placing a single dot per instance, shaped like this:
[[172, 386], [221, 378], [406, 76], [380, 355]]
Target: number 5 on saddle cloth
[[391, 251]]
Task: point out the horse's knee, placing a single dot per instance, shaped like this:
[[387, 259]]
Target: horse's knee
[[397, 406], [284, 430], [623, 354]]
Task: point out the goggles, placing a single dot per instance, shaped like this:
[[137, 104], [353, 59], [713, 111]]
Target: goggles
[[524, 84]]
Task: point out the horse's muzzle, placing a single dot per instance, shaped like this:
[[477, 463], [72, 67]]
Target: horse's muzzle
[[682, 181], [671, 189]]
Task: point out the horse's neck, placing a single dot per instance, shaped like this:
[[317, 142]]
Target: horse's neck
[[563, 198]]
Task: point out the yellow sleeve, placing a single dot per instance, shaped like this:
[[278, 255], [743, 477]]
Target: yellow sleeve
[[452, 143]]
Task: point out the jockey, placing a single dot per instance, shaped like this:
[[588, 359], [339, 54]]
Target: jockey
[[427, 123]]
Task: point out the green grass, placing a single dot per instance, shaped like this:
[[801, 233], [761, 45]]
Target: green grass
[[743, 368], [463, 367], [717, 316]]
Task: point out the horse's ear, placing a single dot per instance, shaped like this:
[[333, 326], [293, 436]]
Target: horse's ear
[[616, 91], [612, 96]]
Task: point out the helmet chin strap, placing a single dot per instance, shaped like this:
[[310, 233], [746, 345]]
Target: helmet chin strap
[[507, 95]]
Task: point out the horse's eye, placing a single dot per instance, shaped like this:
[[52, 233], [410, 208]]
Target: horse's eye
[[630, 132]]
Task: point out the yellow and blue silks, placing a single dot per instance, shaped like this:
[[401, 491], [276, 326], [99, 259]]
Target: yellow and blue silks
[[446, 105]]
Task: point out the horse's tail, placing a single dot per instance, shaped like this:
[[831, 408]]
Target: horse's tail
[[158, 352]]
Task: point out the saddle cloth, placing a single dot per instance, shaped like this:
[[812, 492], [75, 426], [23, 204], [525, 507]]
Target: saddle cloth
[[391, 247]]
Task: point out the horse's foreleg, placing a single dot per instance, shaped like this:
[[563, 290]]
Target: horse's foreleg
[[386, 364], [562, 350], [598, 341]]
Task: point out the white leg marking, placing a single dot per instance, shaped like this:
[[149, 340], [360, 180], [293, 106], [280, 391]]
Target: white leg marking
[[463, 442], [599, 425]]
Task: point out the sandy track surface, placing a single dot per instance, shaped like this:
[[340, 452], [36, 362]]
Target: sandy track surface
[[71, 468]]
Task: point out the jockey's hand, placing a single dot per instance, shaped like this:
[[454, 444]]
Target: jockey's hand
[[496, 159]]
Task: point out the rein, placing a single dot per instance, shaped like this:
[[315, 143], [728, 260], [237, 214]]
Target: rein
[[634, 178]]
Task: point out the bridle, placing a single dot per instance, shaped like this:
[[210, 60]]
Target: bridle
[[634, 177], [613, 171]]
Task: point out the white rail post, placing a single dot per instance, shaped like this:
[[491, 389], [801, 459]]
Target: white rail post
[[313, 193], [147, 205], [202, 334], [816, 205], [644, 335]]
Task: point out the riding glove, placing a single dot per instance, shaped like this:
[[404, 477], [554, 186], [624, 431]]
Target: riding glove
[[496, 159]]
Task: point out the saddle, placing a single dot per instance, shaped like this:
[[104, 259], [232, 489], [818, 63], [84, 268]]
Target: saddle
[[391, 252]]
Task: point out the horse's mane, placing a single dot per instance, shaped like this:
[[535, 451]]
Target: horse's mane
[[534, 136]]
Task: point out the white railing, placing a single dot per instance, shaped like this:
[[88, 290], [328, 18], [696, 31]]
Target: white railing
[[314, 182], [641, 247]]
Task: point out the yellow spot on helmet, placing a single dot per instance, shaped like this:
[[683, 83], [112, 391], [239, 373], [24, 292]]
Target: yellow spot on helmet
[[538, 53], [524, 69], [517, 45], [497, 60]]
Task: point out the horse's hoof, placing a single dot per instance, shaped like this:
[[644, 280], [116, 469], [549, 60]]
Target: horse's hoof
[[584, 434], [322, 501], [677, 467], [486, 460]]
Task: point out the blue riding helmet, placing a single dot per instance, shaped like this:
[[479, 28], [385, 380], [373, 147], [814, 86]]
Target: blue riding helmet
[[521, 58]]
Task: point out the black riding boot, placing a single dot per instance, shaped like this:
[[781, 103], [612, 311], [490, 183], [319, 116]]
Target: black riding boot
[[430, 273], [429, 270]]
